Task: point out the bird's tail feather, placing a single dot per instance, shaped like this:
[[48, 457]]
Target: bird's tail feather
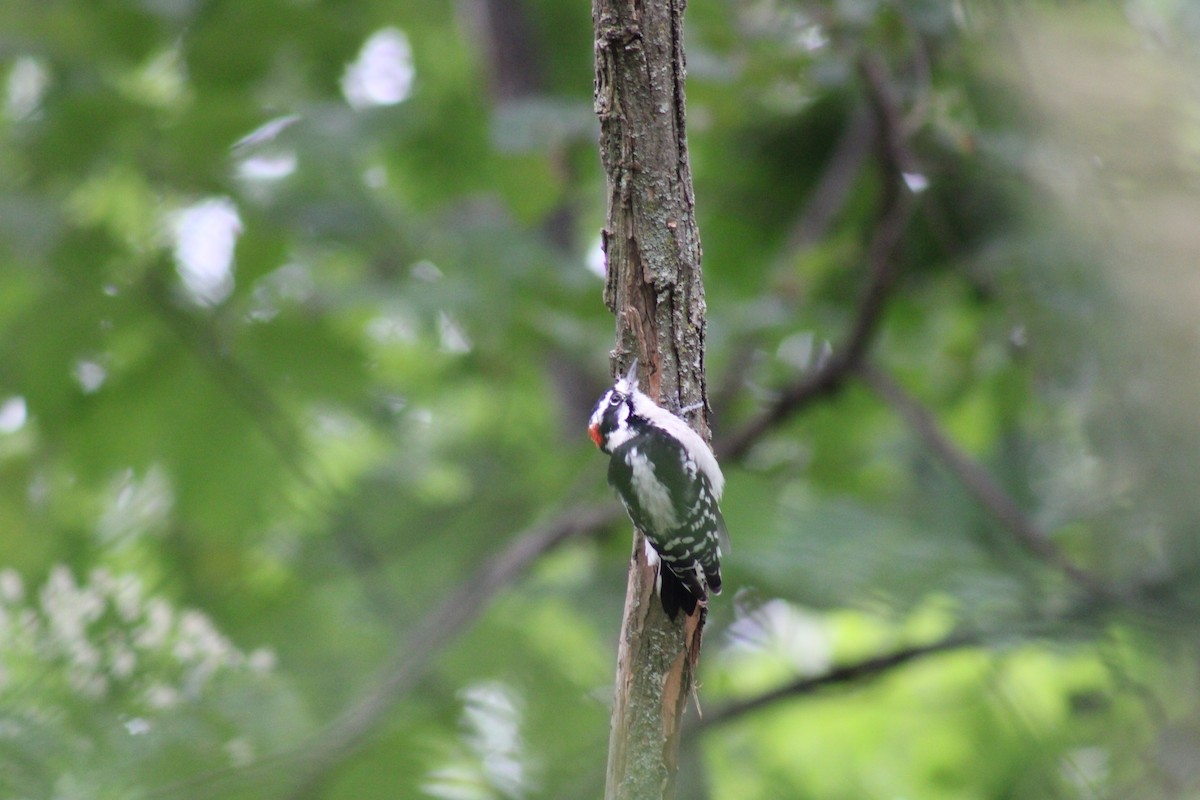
[[674, 593]]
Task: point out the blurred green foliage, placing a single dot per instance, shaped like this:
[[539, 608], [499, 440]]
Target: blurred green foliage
[[298, 328]]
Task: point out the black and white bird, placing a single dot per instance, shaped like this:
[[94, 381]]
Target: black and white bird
[[670, 483]]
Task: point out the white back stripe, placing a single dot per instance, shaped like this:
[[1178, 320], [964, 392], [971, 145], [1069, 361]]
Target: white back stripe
[[696, 446]]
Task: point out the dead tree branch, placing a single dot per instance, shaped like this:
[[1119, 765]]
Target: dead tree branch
[[832, 189], [986, 491], [410, 660], [838, 676], [882, 267], [304, 769]]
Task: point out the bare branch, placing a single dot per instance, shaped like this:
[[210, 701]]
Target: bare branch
[[302, 770], [1083, 610], [503, 30], [845, 674], [882, 261], [832, 189], [410, 661], [826, 200], [242, 387], [979, 483]]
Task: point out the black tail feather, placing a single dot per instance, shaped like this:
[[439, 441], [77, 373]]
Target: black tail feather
[[674, 594], [713, 578]]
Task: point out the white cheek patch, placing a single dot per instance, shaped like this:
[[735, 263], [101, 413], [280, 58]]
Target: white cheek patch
[[621, 432]]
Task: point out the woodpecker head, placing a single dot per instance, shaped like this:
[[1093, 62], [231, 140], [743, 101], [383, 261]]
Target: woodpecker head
[[609, 423]]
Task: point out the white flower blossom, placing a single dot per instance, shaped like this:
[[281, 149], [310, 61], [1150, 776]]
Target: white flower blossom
[[106, 637], [12, 589], [161, 697]]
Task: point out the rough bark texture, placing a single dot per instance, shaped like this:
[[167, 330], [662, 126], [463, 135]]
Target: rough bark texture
[[654, 289]]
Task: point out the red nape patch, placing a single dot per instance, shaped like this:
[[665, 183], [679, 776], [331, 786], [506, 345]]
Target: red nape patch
[[594, 434]]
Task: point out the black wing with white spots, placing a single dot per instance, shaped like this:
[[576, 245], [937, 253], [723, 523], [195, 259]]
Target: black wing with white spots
[[670, 499]]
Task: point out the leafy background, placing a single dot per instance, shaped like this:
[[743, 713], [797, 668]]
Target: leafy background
[[300, 320]]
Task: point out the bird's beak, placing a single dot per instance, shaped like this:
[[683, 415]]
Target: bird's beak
[[594, 434]]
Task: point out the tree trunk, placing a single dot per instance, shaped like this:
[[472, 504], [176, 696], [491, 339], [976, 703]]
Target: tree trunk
[[654, 289]]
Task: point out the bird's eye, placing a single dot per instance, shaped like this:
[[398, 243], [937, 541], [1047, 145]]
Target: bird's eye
[[615, 399]]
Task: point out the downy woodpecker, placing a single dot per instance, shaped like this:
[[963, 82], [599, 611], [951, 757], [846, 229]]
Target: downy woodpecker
[[669, 482]]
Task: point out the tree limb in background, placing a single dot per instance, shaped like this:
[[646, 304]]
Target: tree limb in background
[[826, 200], [883, 267], [979, 483], [514, 59], [844, 674], [303, 770], [516, 76], [244, 389], [832, 189], [411, 659]]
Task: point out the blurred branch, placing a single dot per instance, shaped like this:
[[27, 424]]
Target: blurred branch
[[882, 270], [824, 203], [829, 196], [516, 76], [411, 659], [243, 388], [986, 491], [264, 411], [845, 674], [514, 58], [303, 769]]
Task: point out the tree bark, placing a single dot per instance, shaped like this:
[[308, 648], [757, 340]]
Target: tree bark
[[654, 288]]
